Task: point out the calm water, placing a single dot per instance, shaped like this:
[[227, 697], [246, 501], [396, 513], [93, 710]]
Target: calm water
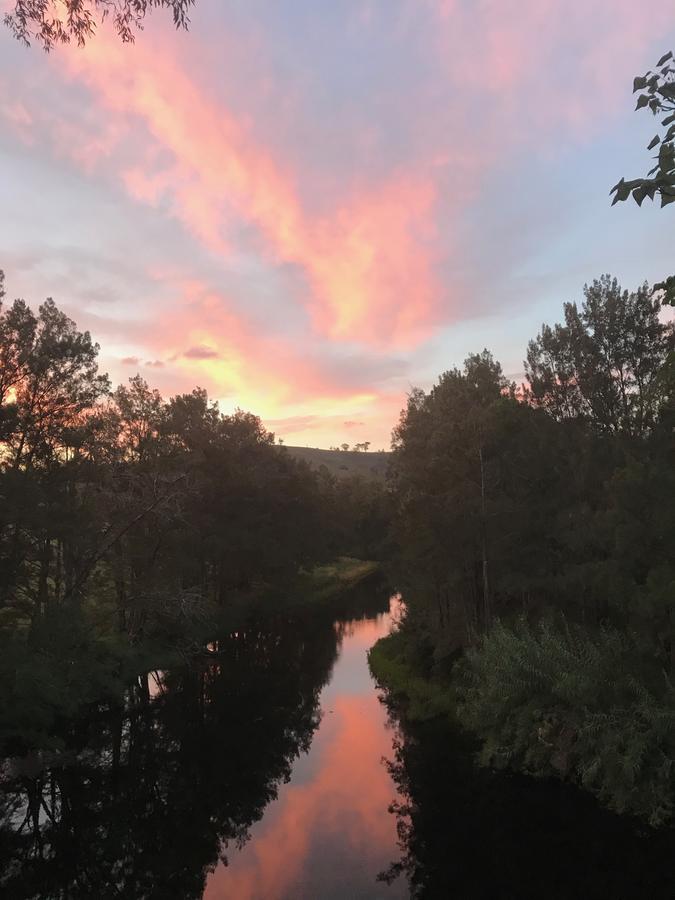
[[328, 834], [254, 772], [268, 770]]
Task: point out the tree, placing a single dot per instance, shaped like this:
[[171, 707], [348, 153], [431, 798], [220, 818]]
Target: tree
[[604, 364], [143, 509], [140, 414], [535, 531], [56, 379], [53, 22], [658, 94], [451, 475], [49, 383]]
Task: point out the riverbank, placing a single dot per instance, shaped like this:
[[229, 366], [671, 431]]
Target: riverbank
[[71, 660], [211, 765], [328, 581], [422, 698], [550, 702], [320, 589]]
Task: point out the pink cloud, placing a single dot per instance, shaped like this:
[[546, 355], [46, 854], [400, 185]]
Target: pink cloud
[[295, 393], [201, 352], [371, 242], [16, 115], [517, 53], [359, 258], [370, 258]]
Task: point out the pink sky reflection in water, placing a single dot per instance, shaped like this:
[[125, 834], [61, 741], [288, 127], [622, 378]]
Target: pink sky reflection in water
[[329, 833]]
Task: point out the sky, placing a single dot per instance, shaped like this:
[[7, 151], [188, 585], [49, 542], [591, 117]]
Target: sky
[[309, 208]]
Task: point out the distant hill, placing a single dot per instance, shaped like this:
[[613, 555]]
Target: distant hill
[[345, 463]]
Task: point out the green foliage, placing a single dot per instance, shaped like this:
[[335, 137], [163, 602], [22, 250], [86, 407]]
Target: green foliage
[[397, 674], [144, 796], [656, 91], [603, 364], [476, 475], [556, 698], [668, 288], [133, 522], [471, 832], [338, 576], [64, 666], [558, 499]]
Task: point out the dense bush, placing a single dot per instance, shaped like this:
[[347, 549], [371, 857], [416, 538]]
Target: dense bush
[[555, 698]]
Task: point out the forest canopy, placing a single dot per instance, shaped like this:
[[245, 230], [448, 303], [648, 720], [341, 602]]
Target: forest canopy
[[129, 521], [534, 534]]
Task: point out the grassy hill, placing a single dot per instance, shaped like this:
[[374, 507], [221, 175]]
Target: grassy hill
[[345, 464]]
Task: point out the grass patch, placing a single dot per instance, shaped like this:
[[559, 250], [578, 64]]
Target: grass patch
[[422, 698], [345, 573], [316, 588]]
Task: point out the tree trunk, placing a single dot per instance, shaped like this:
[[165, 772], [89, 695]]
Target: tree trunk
[[487, 606], [43, 583], [120, 586]]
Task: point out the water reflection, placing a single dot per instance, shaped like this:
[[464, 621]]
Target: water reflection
[[328, 833], [256, 774], [210, 764], [467, 833]]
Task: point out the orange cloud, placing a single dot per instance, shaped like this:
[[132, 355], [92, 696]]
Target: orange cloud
[[200, 339], [368, 261], [374, 244]]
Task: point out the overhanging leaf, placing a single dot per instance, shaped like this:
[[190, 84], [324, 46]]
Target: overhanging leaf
[[639, 195], [623, 190]]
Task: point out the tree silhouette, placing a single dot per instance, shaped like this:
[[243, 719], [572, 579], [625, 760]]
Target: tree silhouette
[[53, 22], [657, 93]]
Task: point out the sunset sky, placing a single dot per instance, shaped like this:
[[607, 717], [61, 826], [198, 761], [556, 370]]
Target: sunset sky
[[309, 207]]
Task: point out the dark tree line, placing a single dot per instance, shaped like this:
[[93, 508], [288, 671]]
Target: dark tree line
[[129, 522], [535, 528], [148, 795], [473, 833], [167, 497]]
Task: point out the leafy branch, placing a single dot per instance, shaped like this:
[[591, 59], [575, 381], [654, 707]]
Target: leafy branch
[[657, 92], [53, 22]]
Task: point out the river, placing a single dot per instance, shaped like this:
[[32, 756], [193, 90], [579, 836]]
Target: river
[[267, 768], [254, 770], [327, 834]]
